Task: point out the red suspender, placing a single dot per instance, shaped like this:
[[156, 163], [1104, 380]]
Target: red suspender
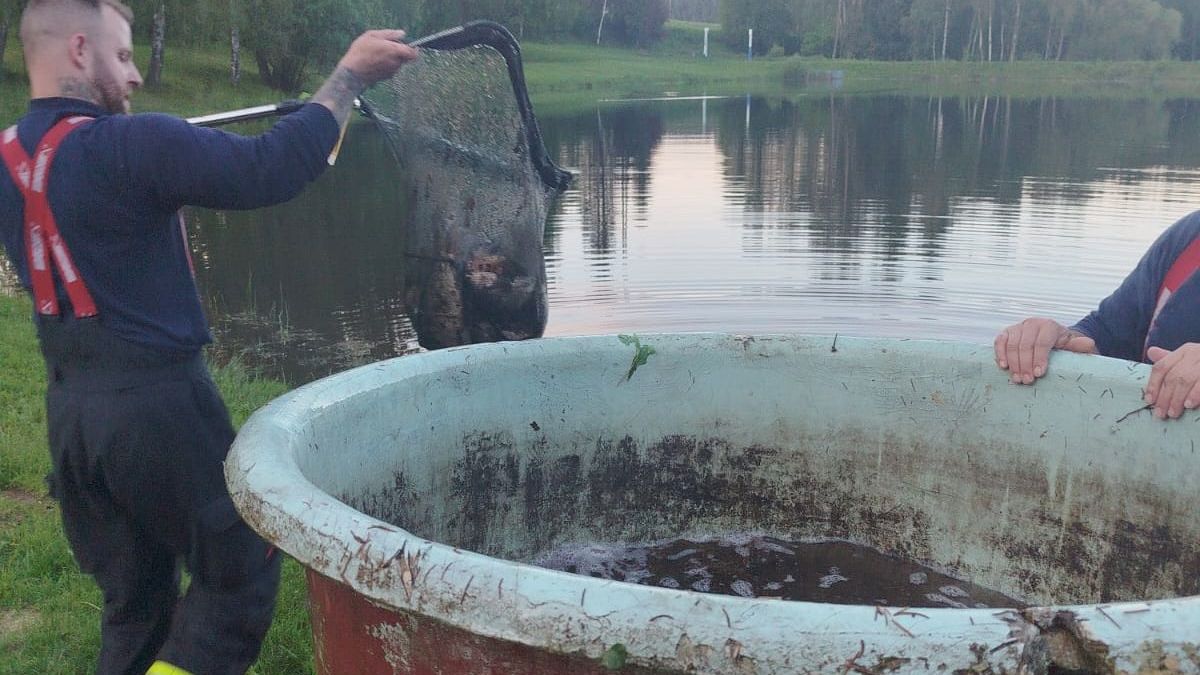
[[1182, 269], [43, 244], [1187, 264]]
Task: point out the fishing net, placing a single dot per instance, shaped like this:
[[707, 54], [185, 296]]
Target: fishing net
[[478, 185]]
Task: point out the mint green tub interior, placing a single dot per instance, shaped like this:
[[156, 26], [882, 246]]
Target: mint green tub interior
[[416, 482]]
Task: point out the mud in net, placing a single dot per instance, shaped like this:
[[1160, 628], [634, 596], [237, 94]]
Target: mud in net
[[478, 185]]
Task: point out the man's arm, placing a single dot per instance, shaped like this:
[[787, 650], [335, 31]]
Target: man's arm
[[180, 165], [338, 93], [1122, 321], [1120, 324], [375, 56]]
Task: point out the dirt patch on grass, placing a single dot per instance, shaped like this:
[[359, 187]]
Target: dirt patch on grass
[[16, 504], [20, 496], [15, 622]]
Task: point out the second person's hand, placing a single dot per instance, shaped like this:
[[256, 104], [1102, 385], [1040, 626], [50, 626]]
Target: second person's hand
[[1174, 384], [1023, 349]]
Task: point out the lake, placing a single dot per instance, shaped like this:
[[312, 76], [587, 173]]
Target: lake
[[882, 215]]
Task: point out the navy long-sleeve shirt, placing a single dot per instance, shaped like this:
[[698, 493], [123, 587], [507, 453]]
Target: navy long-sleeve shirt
[[1125, 325], [117, 185]]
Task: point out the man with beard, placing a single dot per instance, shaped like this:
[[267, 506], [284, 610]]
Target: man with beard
[[89, 206]]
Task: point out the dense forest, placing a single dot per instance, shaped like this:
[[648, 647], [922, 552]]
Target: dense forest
[[979, 30], [286, 38]]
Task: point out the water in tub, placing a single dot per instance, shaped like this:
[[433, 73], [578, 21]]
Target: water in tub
[[756, 566]]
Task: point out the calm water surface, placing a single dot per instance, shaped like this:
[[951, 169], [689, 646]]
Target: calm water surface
[[874, 216]]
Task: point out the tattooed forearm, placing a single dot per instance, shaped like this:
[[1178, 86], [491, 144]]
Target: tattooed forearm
[[339, 91], [71, 87]]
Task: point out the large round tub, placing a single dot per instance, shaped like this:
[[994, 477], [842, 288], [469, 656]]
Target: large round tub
[[413, 489]]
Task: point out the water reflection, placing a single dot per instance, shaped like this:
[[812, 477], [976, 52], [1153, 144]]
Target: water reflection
[[320, 283], [887, 215], [612, 150]]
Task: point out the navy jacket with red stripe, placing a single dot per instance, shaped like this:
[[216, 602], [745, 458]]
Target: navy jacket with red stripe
[[117, 185], [1124, 325]]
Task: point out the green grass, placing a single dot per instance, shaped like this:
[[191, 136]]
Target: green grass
[[46, 606], [13, 89], [566, 75], [1023, 79], [49, 611], [22, 408], [196, 81], [559, 74]]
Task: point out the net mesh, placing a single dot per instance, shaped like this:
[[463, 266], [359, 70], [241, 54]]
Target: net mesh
[[478, 186]]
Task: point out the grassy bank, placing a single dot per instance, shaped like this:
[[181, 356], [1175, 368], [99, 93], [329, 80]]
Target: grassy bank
[[1022, 79], [560, 75], [565, 75]]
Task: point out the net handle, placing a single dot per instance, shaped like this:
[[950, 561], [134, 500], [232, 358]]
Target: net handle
[[246, 114]]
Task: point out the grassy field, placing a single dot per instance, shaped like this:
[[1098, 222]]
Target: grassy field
[[560, 75]]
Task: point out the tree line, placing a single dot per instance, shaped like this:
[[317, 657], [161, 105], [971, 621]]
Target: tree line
[[969, 30], [288, 39], [706, 11]]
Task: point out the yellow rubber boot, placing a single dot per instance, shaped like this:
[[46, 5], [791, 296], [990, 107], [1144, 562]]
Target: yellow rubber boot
[[164, 668]]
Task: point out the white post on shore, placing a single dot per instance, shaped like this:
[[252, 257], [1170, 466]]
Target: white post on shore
[[750, 47], [706, 42]]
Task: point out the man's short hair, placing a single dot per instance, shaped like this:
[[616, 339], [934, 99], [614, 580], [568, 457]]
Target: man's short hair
[[35, 6], [121, 7]]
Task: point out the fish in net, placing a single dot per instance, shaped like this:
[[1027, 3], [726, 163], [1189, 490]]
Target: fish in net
[[478, 186]]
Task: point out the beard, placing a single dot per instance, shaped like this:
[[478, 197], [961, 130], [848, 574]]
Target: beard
[[111, 97], [109, 93]]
